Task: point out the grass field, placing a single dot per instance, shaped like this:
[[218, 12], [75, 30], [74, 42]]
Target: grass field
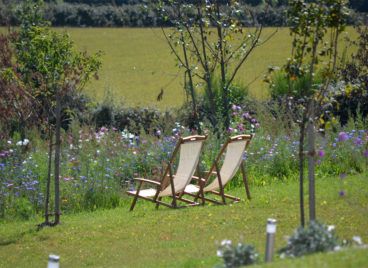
[[137, 63], [187, 237]]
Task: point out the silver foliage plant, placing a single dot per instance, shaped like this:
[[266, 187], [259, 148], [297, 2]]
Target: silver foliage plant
[[236, 255], [316, 237]]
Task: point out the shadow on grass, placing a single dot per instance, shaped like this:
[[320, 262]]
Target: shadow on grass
[[16, 237]]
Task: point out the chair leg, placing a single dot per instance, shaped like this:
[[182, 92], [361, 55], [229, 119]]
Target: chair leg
[[222, 191], [135, 197], [202, 196], [245, 179], [133, 203], [158, 204], [173, 203], [223, 196]]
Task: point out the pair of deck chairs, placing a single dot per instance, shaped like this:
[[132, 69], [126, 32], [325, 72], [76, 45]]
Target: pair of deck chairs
[[177, 186]]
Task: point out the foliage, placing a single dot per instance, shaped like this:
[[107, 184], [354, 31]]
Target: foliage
[[316, 237], [35, 48], [351, 94], [17, 105], [237, 255], [97, 165], [238, 96], [281, 87], [134, 120]]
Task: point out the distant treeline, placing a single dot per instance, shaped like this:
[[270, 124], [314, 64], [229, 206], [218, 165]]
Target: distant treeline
[[358, 5], [138, 13]]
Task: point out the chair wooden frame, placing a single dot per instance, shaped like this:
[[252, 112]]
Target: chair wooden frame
[[168, 179], [200, 190]]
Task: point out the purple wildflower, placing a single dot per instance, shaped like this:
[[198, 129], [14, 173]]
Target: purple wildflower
[[246, 115], [83, 178], [342, 176], [343, 136], [365, 153], [342, 193], [241, 127], [104, 129], [358, 141], [321, 153]]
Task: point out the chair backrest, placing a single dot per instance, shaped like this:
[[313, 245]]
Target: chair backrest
[[235, 148], [190, 149]]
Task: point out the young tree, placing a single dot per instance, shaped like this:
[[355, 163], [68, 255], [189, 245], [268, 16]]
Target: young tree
[[49, 65], [309, 72], [210, 41]]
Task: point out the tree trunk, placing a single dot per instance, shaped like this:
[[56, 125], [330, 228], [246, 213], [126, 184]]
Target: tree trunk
[[57, 158], [207, 76], [225, 94], [301, 172], [311, 164], [47, 200], [191, 86]]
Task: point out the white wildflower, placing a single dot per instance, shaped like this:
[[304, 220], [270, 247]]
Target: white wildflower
[[358, 240]]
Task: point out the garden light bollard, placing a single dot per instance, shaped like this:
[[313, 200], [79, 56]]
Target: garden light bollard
[[53, 261], [271, 230]]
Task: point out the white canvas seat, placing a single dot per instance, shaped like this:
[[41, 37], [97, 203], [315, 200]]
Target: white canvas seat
[[170, 185], [232, 152]]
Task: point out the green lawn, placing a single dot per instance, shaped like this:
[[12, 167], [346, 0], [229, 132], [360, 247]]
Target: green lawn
[[188, 237], [137, 63]]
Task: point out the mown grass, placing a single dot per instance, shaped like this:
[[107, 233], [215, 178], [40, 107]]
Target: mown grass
[[137, 63], [187, 237]]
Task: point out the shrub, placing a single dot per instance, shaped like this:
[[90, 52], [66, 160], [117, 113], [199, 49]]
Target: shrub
[[238, 98], [237, 255], [100, 199], [316, 237], [23, 208], [352, 92], [103, 116]]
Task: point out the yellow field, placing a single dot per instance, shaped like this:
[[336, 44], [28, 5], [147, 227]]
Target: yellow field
[[137, 63]]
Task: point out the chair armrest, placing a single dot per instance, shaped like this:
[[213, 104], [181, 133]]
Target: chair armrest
[[148, 181], [198, 179], [212, 173]]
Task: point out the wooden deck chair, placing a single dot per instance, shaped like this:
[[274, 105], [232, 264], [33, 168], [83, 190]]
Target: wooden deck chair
[[189, 149], [232, 160]]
